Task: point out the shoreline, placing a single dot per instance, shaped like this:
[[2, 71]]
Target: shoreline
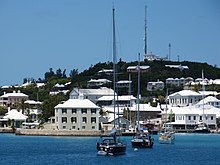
[[49, 132]]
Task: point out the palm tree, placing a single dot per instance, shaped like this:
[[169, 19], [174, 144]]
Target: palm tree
[[22, 106]]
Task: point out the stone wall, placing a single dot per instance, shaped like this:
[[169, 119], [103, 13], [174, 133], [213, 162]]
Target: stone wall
[[47, 132]]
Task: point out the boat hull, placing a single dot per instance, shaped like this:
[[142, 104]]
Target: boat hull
[[142, 144], [202, 131], [111, 149], [142, 141], [167, 141], [167, 138], [111, 145]]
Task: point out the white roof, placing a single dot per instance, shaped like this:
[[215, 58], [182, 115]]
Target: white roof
[[181, 67], [26, 84], [100, 91], [206, 93], [145, 107], [14, 95], [120, 98], [68, 83], [216, 81], [136, 67], [208, 109], [99, 80], [142, 108], [77, 103], [105, 70], [207, 100], [32, 102], [5, 87], [40, 84], [124, 82], [14, 114], [186, 93], [59, 85]]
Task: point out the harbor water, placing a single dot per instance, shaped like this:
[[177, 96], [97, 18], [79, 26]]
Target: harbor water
[[189, 149]]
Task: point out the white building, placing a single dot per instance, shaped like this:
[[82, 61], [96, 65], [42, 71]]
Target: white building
[[184, 98], [176, 81], [153, 86], [33, 109], [152, 57], [134, 69], [106, 71], [180, 67], [189, 117], [124, 100], [77, 115], [97, 82], [124, 83], [210, 100], [16, 118], [91, 94], [10, 99]]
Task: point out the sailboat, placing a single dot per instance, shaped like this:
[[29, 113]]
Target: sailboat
[[202, 126], [111, 144], [166, 137], [141, 139]]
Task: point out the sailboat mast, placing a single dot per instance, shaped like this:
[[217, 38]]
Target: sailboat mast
[[138, 95], [114, 58], [203, 90], [165, 130], [145, 32]]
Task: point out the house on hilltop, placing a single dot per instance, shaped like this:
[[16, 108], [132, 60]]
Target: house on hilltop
[[91, 94], [184, 98], [11, 99]]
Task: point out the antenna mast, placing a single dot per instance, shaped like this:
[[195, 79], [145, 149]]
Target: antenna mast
[[169, 51]]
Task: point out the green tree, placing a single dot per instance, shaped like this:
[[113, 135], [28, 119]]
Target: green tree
[[49, 104]]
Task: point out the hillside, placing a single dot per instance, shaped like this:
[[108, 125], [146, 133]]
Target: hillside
[[157, 71]]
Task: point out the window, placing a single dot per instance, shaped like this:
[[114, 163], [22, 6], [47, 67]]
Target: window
[[93, 119], [189, 117], [194, 117], [83, 111], [179, 117], [73, 110], [93, 111], [64, 110], [64, 127], [84, 119], [200, 117], [64, 119], [83, 127], [73, 127], [93, 127], [212, 117], [73, 120]]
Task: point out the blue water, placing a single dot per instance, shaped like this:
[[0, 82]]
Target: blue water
[[188, 149]]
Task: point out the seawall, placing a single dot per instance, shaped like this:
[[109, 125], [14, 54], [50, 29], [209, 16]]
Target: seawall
[[47, 132]]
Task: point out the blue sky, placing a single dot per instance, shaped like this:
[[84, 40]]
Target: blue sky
[[36, 35]]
